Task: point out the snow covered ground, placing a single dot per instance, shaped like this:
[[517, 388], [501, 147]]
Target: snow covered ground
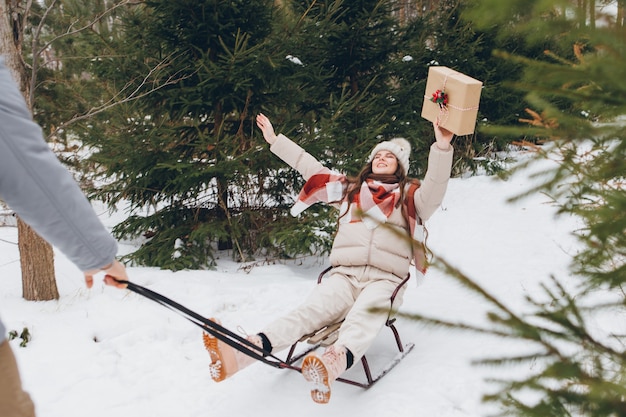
[[106, 352]]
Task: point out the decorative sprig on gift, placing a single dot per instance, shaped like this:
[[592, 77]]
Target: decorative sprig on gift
[[440, 97]]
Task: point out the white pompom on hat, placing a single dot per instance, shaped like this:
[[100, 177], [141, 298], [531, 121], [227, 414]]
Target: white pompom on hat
[[400, 147]]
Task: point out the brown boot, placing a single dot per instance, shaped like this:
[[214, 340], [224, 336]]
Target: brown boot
[[226, 360], [321, 371]]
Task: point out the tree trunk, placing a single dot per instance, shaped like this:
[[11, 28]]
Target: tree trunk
[[592, 14], [37, 262], [36, 256]]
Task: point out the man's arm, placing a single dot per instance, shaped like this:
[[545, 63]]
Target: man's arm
[[41, 190]]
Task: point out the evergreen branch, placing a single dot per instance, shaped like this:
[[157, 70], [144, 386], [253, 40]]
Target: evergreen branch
[[477, 289], [576, 329], [430, 321], [512, 359]]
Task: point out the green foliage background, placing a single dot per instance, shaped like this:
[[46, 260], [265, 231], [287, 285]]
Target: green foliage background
[[178, 85], [162, 97]]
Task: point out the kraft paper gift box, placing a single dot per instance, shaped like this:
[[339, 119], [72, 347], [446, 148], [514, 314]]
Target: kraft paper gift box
[[463, 94]]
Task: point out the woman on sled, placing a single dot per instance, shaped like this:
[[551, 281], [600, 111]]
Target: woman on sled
[[368, 258]]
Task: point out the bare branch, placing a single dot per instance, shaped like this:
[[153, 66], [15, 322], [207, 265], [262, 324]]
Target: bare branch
[[133, 95], [38, 51], [96, 19]]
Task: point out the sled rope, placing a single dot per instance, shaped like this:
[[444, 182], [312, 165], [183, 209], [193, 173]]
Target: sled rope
[[218, 331]]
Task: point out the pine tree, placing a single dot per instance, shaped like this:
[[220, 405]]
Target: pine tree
[[189, 152], [354, 44], [576, 99], [326, 72]]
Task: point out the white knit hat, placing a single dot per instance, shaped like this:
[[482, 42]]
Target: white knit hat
[[400, 147]]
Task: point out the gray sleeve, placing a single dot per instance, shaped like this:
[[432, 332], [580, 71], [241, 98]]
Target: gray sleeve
[[41, 190]]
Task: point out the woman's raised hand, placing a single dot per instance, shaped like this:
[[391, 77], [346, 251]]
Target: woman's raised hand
[[266, 127], [443, 136]]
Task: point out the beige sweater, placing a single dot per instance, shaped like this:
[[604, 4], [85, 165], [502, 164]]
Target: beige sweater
[[381, 247]]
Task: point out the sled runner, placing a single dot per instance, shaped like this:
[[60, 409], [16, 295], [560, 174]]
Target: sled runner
[[328, 335], [321, 338]]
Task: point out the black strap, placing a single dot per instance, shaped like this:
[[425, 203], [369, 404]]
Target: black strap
[[214, 329]]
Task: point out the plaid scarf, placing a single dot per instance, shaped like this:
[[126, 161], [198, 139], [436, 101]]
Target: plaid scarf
[[372, 205]]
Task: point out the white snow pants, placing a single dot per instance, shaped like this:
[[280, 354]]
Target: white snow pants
[[349, 292]]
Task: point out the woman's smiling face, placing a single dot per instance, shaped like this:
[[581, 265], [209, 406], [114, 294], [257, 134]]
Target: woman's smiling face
[[384, 162]]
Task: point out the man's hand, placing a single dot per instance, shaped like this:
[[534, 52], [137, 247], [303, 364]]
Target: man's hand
[[114, 271]]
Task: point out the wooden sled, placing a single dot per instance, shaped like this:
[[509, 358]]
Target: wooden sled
[[328, 335]]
